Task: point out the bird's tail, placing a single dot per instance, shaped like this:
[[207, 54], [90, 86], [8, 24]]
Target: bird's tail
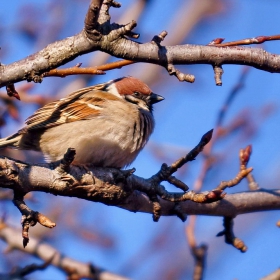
[[11, 141]]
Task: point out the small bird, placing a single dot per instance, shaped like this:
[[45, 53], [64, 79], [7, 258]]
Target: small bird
[[107, 124]]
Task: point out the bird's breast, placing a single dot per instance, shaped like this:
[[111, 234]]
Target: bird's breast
[[113, 139]]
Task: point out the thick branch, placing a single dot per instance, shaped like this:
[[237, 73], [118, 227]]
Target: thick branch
[[110, 38], [54, 55], [100, 34], [232, 205], [61, 52], [115, 187]]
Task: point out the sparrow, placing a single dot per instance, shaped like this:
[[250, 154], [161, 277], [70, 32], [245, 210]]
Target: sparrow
[[107, 124]]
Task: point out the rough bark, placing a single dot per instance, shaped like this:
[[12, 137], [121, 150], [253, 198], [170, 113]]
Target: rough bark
[[100, 35]]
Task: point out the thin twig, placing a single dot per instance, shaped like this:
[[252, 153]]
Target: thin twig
[[30, 218], [249, 41], [230, 237], [98, 70], [198, 251], [11, 91]]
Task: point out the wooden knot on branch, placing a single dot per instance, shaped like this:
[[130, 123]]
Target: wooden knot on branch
[[177, 210], [98, 14], [121, 177], [11, 91], [128, 28], [119, 30], [30, 218], [159, 38], [91, 19], [230, 237], [180, 76], [112, 3], [218, 72], [34, 77], [104, 16]]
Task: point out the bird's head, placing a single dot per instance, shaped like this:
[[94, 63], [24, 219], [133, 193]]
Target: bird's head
[[135, 91]]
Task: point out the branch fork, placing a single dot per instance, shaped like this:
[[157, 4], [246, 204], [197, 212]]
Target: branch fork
[[100, 35], [230, 237], [107, 185], [165, 173], [30, 218]]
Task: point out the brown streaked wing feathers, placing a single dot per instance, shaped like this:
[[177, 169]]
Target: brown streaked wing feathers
[[68, 109]]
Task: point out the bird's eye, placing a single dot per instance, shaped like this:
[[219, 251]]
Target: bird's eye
[[136, 93]]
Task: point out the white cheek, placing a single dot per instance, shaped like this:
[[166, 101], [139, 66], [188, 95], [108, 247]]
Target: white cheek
[[143, 105], [112, 89]]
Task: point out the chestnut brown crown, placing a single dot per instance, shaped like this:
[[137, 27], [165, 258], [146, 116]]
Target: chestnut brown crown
[[135, 91]]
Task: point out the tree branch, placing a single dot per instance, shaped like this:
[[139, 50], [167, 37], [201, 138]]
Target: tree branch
[[231, 205], [91, 20], [100, 34], [111, 187], [49, 254]]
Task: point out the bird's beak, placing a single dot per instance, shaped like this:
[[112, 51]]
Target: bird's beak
[[155, 98]]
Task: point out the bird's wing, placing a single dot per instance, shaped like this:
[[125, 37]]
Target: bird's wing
[[83, 104]]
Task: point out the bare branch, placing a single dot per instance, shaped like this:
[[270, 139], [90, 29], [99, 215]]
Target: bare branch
[[250, 41], [100, 34], [232, 94], [49, 254], [11, 91], [244, 156], [231, 183], [19, 272], [91, 20], [272, 276], [230, 237], [231, 205], [218, 71], [30, 218], [180, 76], [107, 185], [199, 252], [112, 187], [73, 71]]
